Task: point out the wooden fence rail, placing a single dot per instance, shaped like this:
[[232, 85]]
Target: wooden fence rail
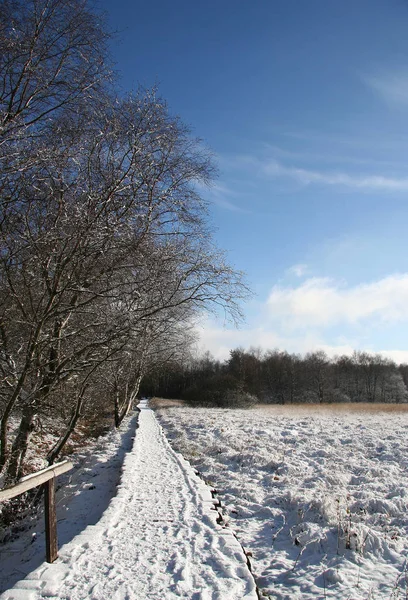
[[46, 478]]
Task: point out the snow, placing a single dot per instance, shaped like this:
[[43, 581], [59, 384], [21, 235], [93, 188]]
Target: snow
[[319, 498], [156, 538]]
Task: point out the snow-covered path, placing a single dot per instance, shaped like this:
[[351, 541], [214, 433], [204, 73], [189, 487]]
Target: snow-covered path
[[157, 540]]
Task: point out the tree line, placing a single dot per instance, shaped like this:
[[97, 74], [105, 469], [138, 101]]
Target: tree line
[[281, 378], [106, 253]]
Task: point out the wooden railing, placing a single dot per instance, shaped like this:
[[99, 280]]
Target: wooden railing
[[46, 478]]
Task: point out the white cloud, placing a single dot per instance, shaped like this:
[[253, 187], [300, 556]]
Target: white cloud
[[298, 270], [320, 302], [306, 176], [219, 341], [392, 87], [319, 314], [398, 356]]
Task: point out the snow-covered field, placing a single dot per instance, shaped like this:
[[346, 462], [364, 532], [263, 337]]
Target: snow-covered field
[[318, 497]]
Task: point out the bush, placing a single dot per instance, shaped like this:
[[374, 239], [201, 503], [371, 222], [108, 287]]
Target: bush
[[219, 390], [238, 399]]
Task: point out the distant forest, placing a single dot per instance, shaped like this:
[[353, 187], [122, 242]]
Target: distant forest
[[281, 378]]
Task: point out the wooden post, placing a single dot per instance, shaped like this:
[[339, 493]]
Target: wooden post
[[51, 540]]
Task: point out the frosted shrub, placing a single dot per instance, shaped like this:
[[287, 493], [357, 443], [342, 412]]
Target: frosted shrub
[[220, 390], [238, 398]]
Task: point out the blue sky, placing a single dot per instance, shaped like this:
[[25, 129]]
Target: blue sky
[[305, 105]]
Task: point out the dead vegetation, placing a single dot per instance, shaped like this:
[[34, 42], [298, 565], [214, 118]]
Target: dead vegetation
[[165, 403], [342, 408]]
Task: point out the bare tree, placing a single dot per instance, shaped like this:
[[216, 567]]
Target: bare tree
[[103, 237], [52, 58]]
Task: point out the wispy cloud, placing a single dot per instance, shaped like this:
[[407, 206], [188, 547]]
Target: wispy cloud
[[326, 155], [321, 302], [274, 168], [220, 194], [392, 86]]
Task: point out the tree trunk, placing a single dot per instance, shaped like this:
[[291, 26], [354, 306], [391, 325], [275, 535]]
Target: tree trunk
[[121, 412], [20, 444], [59, 446], [117, 409], [4, 436]]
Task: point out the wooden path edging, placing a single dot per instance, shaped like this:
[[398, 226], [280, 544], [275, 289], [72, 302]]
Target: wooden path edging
[[208, 495]]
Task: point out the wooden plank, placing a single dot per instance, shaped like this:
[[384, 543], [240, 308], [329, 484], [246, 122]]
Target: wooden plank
[[57, 469], [51, 542], [34, 479]]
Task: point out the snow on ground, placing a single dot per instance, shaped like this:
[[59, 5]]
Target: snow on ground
[[82, 496], [157, 539], [320, 498]]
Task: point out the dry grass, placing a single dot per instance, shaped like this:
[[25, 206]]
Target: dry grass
[[340, 408], [165, 403]]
